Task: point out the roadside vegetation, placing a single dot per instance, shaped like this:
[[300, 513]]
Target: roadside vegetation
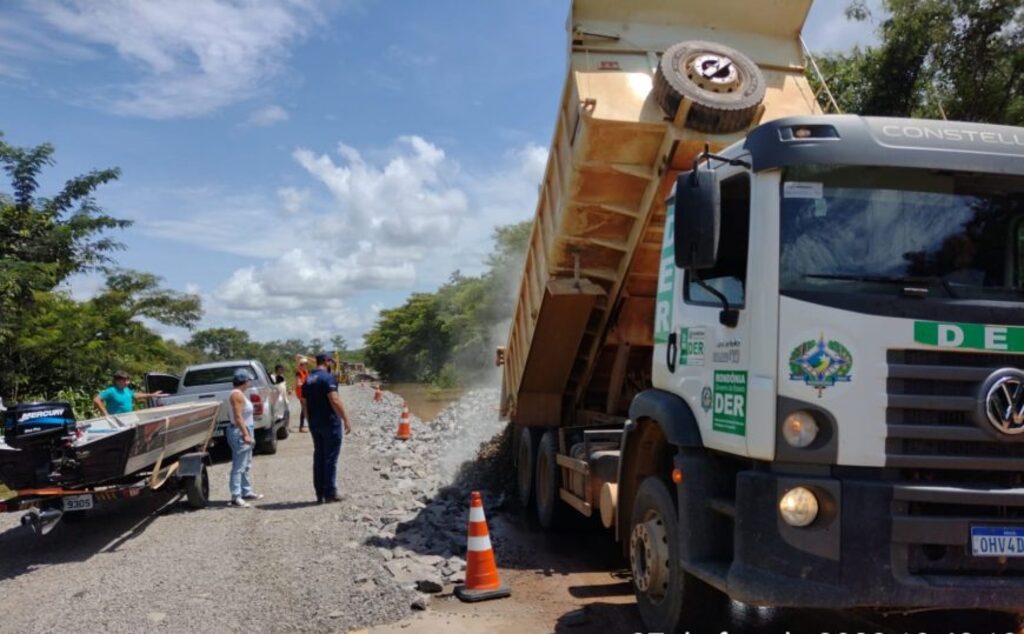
[[447, 338], [961, 60]]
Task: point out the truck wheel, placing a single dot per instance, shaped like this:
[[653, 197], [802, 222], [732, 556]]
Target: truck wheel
[[547, 481], [526, 457], [669, 599], [724, 86], [197, 489], [268, 442], [282, 433]]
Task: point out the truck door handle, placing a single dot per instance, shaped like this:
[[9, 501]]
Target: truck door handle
[[206, 395], [670, 352]]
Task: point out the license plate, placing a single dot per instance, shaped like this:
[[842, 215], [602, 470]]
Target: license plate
[[77, 502], [997, 541]]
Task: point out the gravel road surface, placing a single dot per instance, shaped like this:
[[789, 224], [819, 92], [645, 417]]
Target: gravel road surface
[[285, 565]]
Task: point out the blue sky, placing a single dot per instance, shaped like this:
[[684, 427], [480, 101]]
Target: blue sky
[[301, 164]]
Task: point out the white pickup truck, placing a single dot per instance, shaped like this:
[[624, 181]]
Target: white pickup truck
[[213, 381]]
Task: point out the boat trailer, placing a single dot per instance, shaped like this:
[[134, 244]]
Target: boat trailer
[[45, 507]]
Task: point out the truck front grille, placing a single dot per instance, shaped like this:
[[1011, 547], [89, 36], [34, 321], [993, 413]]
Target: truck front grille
[[932, 396]]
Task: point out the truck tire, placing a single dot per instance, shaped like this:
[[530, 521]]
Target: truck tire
[[283, 431], [669, 598], [547, 481], [526, 458], [724, 86], [197, 489], [268, 442]]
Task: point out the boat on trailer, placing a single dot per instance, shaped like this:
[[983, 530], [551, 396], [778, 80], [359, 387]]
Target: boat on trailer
[[51, 464]]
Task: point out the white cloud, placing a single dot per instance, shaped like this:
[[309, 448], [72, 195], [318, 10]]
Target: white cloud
[[409, 201], [376, 224], [297, 279], [267, 116], [292, 199], [827, 28], [193, 56]]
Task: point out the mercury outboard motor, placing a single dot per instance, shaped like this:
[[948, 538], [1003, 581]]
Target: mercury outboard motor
[[41, 435], [33, 424]]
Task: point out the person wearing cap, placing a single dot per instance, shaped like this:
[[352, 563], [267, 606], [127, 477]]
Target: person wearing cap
[[240, 435], [301, 374], [119, 398], [327, 418]]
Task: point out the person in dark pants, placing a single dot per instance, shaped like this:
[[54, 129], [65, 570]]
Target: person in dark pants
[[327, 417]]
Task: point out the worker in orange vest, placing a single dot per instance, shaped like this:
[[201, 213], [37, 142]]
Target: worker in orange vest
[[301, 374]]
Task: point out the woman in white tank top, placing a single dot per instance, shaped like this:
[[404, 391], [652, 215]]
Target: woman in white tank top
[[239, 435]]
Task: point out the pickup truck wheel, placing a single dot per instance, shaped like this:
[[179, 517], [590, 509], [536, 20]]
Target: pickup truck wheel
[[268, 442], [526, 456], [197, 489], [282, 433], [724, 86], [547, 481], [669, 598]]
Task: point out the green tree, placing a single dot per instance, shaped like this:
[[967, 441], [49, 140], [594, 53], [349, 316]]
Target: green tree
[[411, 342], [68, 344], [452, 332], [339, 343], [223, 344], [43, 241], [958, 59]]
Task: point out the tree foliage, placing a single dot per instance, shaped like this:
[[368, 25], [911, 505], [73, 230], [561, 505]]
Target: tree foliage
[[955, 59], [63, 343], [49, 341], [452, 332]]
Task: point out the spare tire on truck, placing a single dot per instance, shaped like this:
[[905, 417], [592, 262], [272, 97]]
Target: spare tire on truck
[[725, 88]]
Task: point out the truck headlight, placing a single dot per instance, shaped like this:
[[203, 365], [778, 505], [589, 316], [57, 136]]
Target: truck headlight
[[798, 507], [799, 429]]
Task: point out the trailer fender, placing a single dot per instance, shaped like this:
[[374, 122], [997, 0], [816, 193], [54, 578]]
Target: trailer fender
[[672, 414], [191, 464]]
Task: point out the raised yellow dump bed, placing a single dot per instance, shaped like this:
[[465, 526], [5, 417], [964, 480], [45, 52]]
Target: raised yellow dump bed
[[650, 82]]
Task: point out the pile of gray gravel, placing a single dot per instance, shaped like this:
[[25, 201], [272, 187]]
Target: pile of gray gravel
[[420, 537]]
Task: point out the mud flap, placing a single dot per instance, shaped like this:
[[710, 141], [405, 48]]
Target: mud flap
[[191, 464]]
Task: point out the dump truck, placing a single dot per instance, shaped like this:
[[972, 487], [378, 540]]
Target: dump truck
[[777, 351]]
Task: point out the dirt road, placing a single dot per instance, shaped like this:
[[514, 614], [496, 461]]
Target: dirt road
[[291, 565]]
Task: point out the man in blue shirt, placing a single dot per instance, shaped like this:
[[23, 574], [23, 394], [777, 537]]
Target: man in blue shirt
[[326, 415], [119, 398]]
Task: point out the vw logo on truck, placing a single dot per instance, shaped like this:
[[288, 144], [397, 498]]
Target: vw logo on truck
[[1004, 401]]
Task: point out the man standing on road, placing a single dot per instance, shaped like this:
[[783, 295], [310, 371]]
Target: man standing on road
[[119, 398], [326, 415]]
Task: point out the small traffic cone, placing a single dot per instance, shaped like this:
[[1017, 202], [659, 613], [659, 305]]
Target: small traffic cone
[[404, 428], [482, 580]]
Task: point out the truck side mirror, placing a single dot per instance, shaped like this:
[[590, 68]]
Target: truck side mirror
[[697, 219]]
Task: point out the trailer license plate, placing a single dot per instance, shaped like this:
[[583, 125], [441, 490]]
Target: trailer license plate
[[997, 541], [78, 502]]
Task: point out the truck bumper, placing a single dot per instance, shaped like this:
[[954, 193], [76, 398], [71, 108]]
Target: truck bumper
[[875, 544]]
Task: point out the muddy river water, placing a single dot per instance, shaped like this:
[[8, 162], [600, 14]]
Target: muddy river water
[[425, 402]]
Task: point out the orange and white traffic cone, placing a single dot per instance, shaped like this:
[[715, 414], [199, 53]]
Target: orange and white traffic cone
[[404, 428], [482, 580]]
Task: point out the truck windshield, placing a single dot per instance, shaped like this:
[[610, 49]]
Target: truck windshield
[[902, 232]]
